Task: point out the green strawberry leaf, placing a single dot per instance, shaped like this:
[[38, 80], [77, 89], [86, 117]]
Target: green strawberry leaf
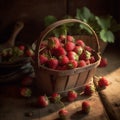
[[107, 36], [49, 20], [84, 14], [104, 22], [84, 27]]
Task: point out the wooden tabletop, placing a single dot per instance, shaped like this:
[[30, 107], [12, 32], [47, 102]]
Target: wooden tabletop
[[105, 104]]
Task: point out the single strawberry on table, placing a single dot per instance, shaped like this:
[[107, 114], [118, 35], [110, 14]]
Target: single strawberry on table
[[55, 97], [43, 101], [72, 95], [89, 89], [86, 107], [63, 114], [103, 82]]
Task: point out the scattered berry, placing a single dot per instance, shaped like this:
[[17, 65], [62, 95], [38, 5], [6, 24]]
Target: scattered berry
[[63, 114], [85, 107], [55, 97], [103, 82], [89, 89], [43, 101], [72, 95]]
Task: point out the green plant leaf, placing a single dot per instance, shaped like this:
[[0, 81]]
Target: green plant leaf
[[49, 20], [84, 14], [107, 36], [84, 27], [104, 22]]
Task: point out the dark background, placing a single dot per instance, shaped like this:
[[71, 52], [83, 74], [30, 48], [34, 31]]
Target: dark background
[[32, 13]]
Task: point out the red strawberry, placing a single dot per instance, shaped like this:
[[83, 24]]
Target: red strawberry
[[72, 95], [80, 43], [103, 62], [81, 63], [27, 80], [63, 114], [53, 42], [52, 63], [55, 97], [72, 64], [43, 58], [43, 101], [62, 38], [21, 47], [59, 51], [92, 59], [72, 55], [30, 52], [103, 82], [63, 67], [89, 89], [85, 107], [69, 46], [78, 50], [43, 44], [25, 92], [85, 55], [88, 48], [87, 62], [63, 60], [70, 38]]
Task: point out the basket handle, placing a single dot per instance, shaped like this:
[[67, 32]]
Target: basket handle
[[53, 26]]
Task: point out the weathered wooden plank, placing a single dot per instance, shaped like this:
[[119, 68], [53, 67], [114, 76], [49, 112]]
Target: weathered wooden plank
[[111, 95]]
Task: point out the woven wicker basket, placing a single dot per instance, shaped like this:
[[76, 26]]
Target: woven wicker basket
[[49, 81]]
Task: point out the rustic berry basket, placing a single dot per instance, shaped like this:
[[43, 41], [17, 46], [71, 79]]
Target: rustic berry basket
[[50, 80]]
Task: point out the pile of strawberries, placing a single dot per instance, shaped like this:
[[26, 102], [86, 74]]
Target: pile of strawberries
[[71, 96], [65, 52], [12, 54]]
